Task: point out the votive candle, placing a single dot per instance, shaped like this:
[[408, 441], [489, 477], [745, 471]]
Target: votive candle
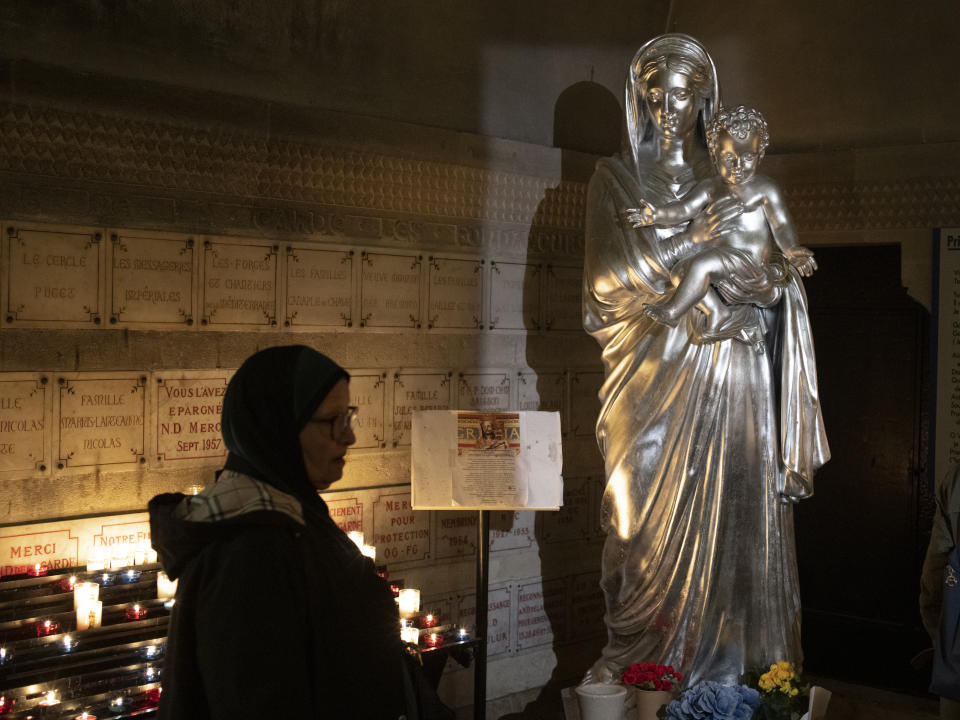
[[89, 615], [433, 640], [166, 588], [96, 561], [356, 538], [410, 635], [429, 621], [85, 592], [369, 551], [409, 602], [137, 612], [47, 627], [37, 570]]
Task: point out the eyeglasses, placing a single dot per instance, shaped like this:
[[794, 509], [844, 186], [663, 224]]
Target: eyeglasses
[[340, 424]]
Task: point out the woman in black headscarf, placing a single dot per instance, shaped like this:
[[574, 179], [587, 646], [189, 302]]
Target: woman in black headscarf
[[278, 615]]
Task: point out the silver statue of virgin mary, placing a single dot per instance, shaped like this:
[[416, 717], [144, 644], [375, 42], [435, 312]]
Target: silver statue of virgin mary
[[706, 441]]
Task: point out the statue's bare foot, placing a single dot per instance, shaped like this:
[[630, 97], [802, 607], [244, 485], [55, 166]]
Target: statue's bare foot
[[662, 313]]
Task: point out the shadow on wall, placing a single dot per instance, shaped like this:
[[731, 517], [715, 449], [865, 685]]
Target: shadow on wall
[[587, 119]]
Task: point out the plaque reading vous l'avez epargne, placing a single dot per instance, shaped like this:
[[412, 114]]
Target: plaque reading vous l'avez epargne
[[53, 277], [23, 419], [239, 284], [188, 411], [152, 280], [319, 287], [100, 421]]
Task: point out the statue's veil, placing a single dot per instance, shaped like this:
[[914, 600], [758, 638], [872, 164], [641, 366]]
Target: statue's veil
[[666, 45]]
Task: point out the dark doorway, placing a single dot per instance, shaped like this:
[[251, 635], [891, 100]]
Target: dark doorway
[[860, 539]]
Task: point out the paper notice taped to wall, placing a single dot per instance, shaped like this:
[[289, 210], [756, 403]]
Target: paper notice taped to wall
[[486, 460]]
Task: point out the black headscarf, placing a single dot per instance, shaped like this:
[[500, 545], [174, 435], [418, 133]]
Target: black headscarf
[[267, 403]]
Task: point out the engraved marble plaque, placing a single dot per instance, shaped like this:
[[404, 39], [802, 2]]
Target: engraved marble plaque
[[152, 280], [367, 392], [389, 290], [455, 293], [498, 617], [586, 606], [514, 296], [543, 391], [53, 277], [573, 521], [511, 530], [100, 421], [541, 613], [585, 401], [239, 285], [319, 287], [188, 409], [456, 533], [484, 391], [23, 419], [563, 309], [346, 510], [401, 534], [417, 391]]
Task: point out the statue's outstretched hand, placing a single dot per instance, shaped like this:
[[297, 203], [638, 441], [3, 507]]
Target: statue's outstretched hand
[[802, 259], [642, 216], [715, 221]]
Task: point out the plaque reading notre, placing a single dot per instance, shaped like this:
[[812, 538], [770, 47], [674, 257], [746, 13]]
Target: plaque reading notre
[[319, 287], [484, 391], [389, 290], [417, 391], [152, 280], [563, 302], [100, 421], [188, 417], [455, 293], [401, 534], [52, 277], [367, 393], [239, 284], [514, 296], [23, 404]]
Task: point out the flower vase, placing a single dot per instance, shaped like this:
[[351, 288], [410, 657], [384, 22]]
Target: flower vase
[[649, 702]]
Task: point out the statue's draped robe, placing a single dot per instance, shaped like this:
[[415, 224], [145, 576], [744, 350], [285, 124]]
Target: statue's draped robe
[[704, 444]]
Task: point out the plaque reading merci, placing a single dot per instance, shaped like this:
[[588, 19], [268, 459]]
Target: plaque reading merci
[[486, 460]]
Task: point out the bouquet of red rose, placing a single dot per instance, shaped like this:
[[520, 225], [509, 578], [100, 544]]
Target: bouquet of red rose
[[650, 676]]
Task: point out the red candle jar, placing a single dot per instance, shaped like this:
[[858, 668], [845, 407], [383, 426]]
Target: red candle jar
[[382, 572], [432, 640], [396, 587], [137, 612], [68, 584], [429, 620], [48, 627], [37, 570]]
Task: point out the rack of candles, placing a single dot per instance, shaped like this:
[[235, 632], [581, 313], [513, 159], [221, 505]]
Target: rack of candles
[[112, 629]]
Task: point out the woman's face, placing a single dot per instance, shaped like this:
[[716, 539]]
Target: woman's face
[[671, 103], [323, 448]]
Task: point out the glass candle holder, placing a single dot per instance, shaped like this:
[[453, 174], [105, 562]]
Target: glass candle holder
[[430, 620], [89, 615], [433, 640], [37, 570], [166, 588], [410, 635], [409, 602], [85, 592], [47, 627], [137, 612]]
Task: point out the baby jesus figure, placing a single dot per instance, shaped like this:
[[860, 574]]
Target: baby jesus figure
[[742, 264]]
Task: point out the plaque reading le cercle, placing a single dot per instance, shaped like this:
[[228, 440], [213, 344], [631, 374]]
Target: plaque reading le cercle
[[389, 290], [319, 287], [239, 284], [416, 391], [188, 417], [455, 293], [152, 280], [53, 277], [100, 421], [22, 405]]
